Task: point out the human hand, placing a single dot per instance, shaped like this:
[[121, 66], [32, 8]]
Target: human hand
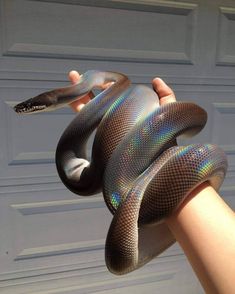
[[74, 77], [165, 93], [77, 105]]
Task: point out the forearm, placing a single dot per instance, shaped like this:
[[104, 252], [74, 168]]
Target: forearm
[[205, 228]]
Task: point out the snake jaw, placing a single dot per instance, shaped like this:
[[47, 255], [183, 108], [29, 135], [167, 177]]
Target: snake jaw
[[21, 109], [29, 106]]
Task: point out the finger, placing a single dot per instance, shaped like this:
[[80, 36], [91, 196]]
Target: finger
[[79, 104], [78, 107], [165, 93], [74, 76]]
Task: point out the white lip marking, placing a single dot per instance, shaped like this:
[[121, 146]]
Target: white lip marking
[[30, 109]]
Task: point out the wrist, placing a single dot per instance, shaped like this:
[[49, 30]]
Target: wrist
[[187, 203], [204, 227]]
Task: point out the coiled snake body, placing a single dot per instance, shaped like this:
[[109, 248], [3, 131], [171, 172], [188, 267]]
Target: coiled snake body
[[135, 161]]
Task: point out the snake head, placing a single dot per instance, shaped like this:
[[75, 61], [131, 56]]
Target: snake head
[[37, 104]]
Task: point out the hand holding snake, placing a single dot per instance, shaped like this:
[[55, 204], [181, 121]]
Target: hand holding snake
[[136, 162]]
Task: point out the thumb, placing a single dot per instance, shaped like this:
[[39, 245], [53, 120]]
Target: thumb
[[74, 76], [165, 93]]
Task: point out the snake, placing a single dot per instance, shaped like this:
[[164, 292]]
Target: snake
[[135, 160]]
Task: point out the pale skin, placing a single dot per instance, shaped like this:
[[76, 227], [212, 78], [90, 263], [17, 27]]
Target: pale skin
[[204, 225]]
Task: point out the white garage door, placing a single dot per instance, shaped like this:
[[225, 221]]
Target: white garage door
[[52, 241]]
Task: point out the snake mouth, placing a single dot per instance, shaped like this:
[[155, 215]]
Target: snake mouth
[[28, 107]]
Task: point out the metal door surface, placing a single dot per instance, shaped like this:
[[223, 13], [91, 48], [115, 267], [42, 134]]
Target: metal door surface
[[52, 241]]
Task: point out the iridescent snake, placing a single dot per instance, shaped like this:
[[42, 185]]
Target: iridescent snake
[[143, 174]]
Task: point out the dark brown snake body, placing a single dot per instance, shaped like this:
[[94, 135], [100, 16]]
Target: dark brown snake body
[[135, 161]]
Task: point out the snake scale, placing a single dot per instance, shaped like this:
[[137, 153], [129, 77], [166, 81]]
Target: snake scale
[[143, 174]]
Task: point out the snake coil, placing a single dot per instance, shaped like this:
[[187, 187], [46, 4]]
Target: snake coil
[[135, 160]]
